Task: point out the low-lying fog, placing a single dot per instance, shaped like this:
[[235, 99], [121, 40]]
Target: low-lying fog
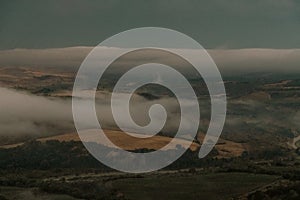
[[229, 61], [24, 114]]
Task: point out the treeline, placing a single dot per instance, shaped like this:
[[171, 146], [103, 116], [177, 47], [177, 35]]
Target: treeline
[[55, 155]]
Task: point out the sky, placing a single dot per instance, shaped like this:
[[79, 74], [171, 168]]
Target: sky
[[215, 24]]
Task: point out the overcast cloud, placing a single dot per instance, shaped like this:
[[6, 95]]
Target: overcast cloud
[[213, 23]]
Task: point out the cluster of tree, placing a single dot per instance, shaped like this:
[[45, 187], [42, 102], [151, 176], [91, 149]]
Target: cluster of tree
[[48, 155]]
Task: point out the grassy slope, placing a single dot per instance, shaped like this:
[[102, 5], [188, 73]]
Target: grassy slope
[[225, 148]]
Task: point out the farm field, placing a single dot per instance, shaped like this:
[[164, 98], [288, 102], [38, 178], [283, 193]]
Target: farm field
[[204, 186]]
